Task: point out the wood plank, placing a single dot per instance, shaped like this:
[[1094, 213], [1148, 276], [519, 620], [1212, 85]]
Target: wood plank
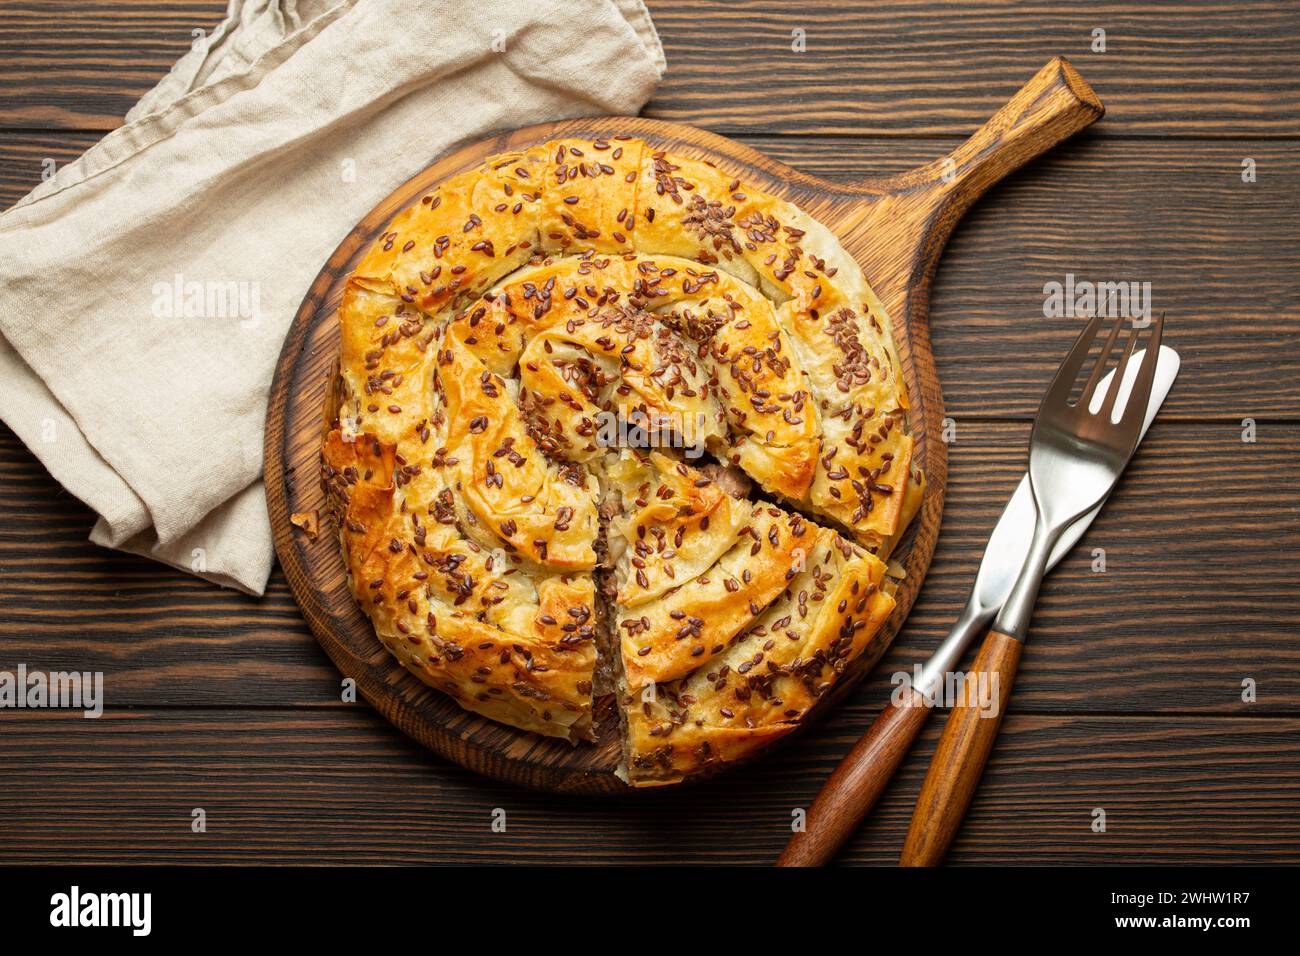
[[1196, 68], [83, 65], [313, 786], [1175, 214], [1172, 213], [1153, 650], [159, 634], [1198, 594], [26, 155], [887, 68]]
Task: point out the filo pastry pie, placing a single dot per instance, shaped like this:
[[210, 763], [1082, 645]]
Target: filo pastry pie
[[514, 556]]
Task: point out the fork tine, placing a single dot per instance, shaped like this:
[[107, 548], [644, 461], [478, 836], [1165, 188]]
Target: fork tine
[[1121, 369], [1058, 393], [1085, 397], [1135, 410]]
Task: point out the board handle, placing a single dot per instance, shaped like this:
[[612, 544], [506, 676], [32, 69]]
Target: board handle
[[1051, 107]]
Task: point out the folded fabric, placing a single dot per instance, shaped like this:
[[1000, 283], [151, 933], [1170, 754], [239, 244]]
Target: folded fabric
[[146, 288]]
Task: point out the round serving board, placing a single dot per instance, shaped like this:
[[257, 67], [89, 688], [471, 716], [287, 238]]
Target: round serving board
[[895, 227]]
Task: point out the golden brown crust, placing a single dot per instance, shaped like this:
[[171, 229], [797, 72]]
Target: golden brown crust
[[503, 641], [492, 335], [770, 674]]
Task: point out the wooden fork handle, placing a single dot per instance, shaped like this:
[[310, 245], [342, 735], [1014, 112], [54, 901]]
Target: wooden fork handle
[[963, 750], [856, 784]]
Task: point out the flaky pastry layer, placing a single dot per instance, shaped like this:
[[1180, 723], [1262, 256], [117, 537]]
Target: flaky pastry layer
[[491, 336]]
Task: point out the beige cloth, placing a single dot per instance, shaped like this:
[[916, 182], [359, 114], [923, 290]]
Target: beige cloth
[[146, 288]]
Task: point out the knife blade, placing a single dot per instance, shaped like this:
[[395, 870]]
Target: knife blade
[[1009, 543]]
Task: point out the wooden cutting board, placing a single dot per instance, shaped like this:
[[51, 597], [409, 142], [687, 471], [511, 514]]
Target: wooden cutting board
[[896, 228]]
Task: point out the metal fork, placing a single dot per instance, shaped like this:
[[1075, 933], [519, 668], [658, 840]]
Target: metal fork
[[1076, 454]]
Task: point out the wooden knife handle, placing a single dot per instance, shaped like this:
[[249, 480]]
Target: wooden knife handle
[[962, 752], [856, 784]]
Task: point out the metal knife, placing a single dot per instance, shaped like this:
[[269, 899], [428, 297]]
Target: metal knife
[[861, 777]]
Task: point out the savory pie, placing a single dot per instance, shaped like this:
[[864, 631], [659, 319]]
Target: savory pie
[[511, 343]]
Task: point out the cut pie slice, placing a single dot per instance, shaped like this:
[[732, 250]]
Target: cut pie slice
[[513, 556], [774, 608], [502, 636]]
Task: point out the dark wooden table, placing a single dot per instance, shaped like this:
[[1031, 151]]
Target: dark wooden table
[[1130, 694]]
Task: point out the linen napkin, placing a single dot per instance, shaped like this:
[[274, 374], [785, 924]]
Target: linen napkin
[[146, 288]]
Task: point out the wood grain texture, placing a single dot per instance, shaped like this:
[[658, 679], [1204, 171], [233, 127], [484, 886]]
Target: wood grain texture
[[1190, 68], [310, 786], [1205, 270], [1202, 539], [82, 66], [1162, 638], [1173, 214], [1198, 67], [25, 156]]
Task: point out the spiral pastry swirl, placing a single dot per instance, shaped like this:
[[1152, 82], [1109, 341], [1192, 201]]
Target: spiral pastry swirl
[[514, 555]]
